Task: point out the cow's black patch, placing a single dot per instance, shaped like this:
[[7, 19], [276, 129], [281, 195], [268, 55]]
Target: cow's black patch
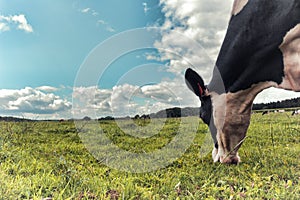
[[250, 52], [216, 145]]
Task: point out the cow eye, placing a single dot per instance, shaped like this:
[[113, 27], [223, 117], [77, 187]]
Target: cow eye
[[204, 116], [202, 113]]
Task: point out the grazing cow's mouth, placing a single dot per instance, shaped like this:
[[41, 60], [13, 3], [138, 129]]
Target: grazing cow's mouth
[[235, 159], [226, 159]]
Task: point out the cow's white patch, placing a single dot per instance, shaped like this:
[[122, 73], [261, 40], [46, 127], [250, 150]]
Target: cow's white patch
[[238, 6], [215, 155], [290, 48], [231, 117]]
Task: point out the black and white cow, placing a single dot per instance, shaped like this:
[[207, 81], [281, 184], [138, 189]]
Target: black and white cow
[[295, 112], [261, 49]]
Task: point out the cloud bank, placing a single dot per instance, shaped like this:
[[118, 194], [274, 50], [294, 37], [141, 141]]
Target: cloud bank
[[204, 23], [129, 100], [33, 101], [15, 21]]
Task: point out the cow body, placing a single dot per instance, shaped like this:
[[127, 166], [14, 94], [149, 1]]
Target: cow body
[[261, 49]]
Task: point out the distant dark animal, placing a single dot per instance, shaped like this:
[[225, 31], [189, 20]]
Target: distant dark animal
[[265, 112], [261, 49], [296, 112], [144, 117]]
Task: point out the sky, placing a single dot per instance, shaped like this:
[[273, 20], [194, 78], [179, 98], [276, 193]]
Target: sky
[[76, 58]]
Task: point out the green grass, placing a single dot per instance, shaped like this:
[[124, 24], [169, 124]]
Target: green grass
[[48, 159]]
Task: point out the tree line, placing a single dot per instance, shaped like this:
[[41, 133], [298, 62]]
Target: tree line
[[290, 103], [180, 112]]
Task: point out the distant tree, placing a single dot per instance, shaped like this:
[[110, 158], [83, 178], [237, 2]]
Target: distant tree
[[173, 112], [145, 116], [86, 118], [106, 118], [109, 118]]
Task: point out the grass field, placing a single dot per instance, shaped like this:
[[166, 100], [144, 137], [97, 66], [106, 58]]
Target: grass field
[[48, 160]]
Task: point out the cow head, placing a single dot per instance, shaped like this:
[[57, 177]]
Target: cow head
[[226, 114], [196, 84]]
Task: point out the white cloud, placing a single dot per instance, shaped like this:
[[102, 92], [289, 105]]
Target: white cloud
[[146, 8], [274, 94], [47, 88], [22, 23], [88, 100], [19, 20], [198, 28], [89, 11], [85, 10], [129, 100], [4, 27], [110, 29], [94, 13], [106, 26], [100, 21], [33, 101]]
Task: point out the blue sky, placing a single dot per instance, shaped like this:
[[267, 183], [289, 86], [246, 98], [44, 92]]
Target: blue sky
[[64, 32], [55, 55]]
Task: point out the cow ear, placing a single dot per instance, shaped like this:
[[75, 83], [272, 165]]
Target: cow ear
[[195, 82]]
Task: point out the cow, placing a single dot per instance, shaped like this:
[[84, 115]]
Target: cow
[[261, 49], [265, 112], [295, 112]]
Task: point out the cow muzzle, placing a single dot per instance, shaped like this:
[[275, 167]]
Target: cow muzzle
[[230, 159], [225, 159]]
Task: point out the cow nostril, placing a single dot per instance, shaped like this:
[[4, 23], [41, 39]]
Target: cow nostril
[[235, 161]]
